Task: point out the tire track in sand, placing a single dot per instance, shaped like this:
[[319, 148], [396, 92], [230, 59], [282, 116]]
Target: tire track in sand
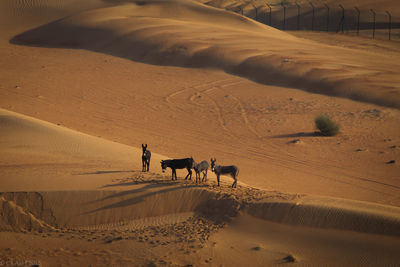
[[202, 89], [243, 111]]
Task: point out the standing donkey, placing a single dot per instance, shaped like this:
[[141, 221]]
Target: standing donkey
[[231, 170], [199, 168], [178, 164], [146, 155]]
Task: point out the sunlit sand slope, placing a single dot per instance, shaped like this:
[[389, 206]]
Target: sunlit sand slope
[[185, 33], [36, 155]]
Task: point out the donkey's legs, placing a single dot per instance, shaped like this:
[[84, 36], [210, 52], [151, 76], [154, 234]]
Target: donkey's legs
[[143, 165], [148, 165], [173, 172], [205, 175], [218, 179], [235, 182], [189, 174]]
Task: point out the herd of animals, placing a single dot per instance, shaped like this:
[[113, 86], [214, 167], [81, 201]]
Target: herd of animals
[[189, 164]]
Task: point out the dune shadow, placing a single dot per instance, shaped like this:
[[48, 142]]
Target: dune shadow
[[137, 199], [103, 172], [138, 190], [138, 182], [300, 134]]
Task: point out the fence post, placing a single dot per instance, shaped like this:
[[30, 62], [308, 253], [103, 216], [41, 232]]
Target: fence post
[[284, 16], [313, 14], [241, 10], [341, 23], [390, 24], [298, 16], [358, 20], [373, 25], [327, 17], [270, 15], [256, 12]]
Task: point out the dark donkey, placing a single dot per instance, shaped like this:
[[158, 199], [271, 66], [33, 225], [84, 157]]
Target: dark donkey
[[231, 170], [178, 164], [199, 168], [146, 155]]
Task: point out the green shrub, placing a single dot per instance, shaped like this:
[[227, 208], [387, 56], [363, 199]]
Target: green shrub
[[326, 126]]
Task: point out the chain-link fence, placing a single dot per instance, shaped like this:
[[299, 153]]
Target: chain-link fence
[[310, 17]]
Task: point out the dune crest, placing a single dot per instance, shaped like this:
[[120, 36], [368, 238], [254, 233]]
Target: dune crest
[[185, 33]]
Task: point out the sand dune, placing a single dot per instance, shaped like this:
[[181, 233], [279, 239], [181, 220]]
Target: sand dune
[[159, 33], [34, 150], [150, 208]]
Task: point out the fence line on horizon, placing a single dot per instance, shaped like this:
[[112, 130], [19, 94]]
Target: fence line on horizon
[[326, 18]]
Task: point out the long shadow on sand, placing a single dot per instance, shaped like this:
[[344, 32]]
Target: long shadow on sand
[[103, 172], [300, 134], [137, 199], [135, 191]]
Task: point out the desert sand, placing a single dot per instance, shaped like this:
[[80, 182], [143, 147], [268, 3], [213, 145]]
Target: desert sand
[[84, 84]]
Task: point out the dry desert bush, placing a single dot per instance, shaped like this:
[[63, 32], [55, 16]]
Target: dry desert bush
[[326, 126]]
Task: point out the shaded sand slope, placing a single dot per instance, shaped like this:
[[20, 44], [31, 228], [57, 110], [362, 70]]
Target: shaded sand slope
[[161, 32], [129, 208]]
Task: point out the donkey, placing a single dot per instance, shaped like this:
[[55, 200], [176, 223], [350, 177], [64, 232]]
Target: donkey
[[199, 168], [178, 164], [231, 170], [146, 155]]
